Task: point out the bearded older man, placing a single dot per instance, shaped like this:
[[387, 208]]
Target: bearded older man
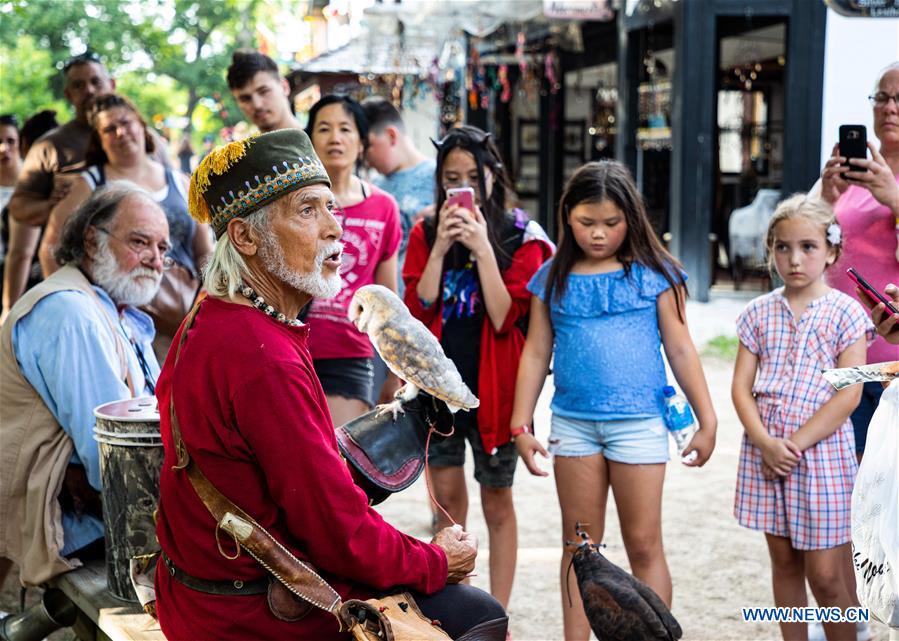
[[73, 342], [242, 408]]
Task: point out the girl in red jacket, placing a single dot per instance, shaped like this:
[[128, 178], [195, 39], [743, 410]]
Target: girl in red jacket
[[466, 276]]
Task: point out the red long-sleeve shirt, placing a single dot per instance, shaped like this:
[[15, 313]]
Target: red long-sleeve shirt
[[253, 417], [500, 350]]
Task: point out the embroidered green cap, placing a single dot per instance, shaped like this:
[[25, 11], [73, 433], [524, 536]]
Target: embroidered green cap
[[238, 178]]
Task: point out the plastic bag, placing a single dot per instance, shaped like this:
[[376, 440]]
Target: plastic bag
[[875, 514]]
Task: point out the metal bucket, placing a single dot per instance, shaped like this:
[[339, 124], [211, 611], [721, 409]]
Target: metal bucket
[[130, 461], [55, 611]]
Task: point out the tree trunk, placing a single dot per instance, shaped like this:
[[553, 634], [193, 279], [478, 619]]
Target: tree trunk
[[192, 100], [192, 97]]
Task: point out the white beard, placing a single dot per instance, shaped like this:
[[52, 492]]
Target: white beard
[[314, 283], [137, 287]]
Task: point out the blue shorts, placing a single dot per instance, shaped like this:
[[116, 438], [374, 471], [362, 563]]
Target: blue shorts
[[633, 441]]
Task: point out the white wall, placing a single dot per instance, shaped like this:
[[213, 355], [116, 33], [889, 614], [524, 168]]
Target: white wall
[[421, 123], [856, 49]]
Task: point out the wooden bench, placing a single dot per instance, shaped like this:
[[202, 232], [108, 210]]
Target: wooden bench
[[116, 620]]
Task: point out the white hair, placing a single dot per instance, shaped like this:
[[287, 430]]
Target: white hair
[[225, 271], [893, 66]]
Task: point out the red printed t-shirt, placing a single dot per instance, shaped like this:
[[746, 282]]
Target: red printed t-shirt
[[869, 245], [255, 421], [371, 235]]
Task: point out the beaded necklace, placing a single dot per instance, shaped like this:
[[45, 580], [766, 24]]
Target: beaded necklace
[[260, 304]]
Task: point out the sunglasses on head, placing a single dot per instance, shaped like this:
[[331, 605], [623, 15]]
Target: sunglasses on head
[[81, 58]]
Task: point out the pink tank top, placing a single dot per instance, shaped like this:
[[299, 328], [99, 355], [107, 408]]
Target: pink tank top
[[869, 245]]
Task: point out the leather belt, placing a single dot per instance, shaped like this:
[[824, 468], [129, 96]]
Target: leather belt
[[236, 587]]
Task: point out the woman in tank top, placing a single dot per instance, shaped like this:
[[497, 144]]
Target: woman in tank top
[[120, 149]]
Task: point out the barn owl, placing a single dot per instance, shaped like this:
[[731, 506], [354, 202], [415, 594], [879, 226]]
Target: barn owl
[[410, 351]]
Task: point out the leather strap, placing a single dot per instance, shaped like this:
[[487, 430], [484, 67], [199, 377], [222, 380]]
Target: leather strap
[[227, 588], [297, 576]]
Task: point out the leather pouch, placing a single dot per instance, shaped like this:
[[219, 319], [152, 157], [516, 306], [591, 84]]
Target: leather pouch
[[177, 292], [284, 604]]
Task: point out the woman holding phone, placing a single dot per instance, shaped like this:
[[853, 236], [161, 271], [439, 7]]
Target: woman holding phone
[[466, 275], [865, 198]]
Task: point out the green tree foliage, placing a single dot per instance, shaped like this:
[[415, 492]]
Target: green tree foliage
[[197, 48], [26, 71], [169, 56], [159, 98]]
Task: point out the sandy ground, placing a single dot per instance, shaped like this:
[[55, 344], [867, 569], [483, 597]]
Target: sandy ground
[[717, 566]]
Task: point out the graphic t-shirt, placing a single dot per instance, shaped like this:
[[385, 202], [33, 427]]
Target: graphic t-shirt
[[463, 317], [371, 235]]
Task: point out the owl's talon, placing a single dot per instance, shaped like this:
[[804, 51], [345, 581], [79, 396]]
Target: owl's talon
[[394, 408]]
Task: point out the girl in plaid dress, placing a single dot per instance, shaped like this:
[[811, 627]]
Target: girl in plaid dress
[[797, 462]]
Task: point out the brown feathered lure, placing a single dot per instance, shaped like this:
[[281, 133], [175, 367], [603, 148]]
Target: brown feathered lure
[[619, 606]]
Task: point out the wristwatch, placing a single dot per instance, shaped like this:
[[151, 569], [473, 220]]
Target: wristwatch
[[521, 429]]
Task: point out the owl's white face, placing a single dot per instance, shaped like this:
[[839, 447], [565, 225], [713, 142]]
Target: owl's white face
[[371, 306], [360, 312]]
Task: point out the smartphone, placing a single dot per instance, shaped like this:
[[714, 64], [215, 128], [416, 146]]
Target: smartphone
[[462, 196], [853, 142], [870, 291]]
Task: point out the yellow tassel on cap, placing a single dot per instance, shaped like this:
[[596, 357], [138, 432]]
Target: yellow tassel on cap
[[217, 162]]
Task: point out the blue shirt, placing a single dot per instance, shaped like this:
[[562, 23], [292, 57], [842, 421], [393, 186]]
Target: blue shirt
[[606, 345], [413, 190], [66, 351]]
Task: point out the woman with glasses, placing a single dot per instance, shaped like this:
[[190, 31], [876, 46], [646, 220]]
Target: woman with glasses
[[466, 276], [120, 148], [865, 198], [342, 356]]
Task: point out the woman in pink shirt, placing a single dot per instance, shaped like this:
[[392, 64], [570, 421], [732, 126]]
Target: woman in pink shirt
[[342, 356], [865, 198]]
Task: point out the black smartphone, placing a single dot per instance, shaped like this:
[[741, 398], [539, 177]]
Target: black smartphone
[[872, 293], [853, 142]]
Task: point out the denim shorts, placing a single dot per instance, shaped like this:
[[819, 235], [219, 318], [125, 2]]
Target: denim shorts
[[633, 441], [490, 470], [347, 377]]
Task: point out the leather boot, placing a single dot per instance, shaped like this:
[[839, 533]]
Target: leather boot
[[494, 630]]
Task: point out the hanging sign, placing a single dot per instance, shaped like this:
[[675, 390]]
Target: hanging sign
[[865, 8], [578, 9]]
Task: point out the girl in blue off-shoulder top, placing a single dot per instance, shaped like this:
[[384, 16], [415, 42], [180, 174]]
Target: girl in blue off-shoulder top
[[602, 308]]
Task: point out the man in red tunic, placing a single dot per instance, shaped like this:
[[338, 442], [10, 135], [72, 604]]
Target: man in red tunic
[[254, 420]]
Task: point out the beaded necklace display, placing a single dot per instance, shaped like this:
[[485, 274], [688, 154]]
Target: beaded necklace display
[[259, 303]]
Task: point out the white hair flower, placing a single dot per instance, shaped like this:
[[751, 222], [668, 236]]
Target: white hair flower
[[834, 234]]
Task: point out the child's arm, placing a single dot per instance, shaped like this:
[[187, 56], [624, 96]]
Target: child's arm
[[835, 411], [532, 369], [778, 454], [687, 370]]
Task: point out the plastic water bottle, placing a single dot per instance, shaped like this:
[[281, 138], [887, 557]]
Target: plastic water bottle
[[678, 418]]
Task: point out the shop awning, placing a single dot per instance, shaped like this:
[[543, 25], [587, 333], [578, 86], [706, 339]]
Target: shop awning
[[405, 38]]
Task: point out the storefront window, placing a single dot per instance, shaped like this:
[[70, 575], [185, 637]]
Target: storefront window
[[742, 132]]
